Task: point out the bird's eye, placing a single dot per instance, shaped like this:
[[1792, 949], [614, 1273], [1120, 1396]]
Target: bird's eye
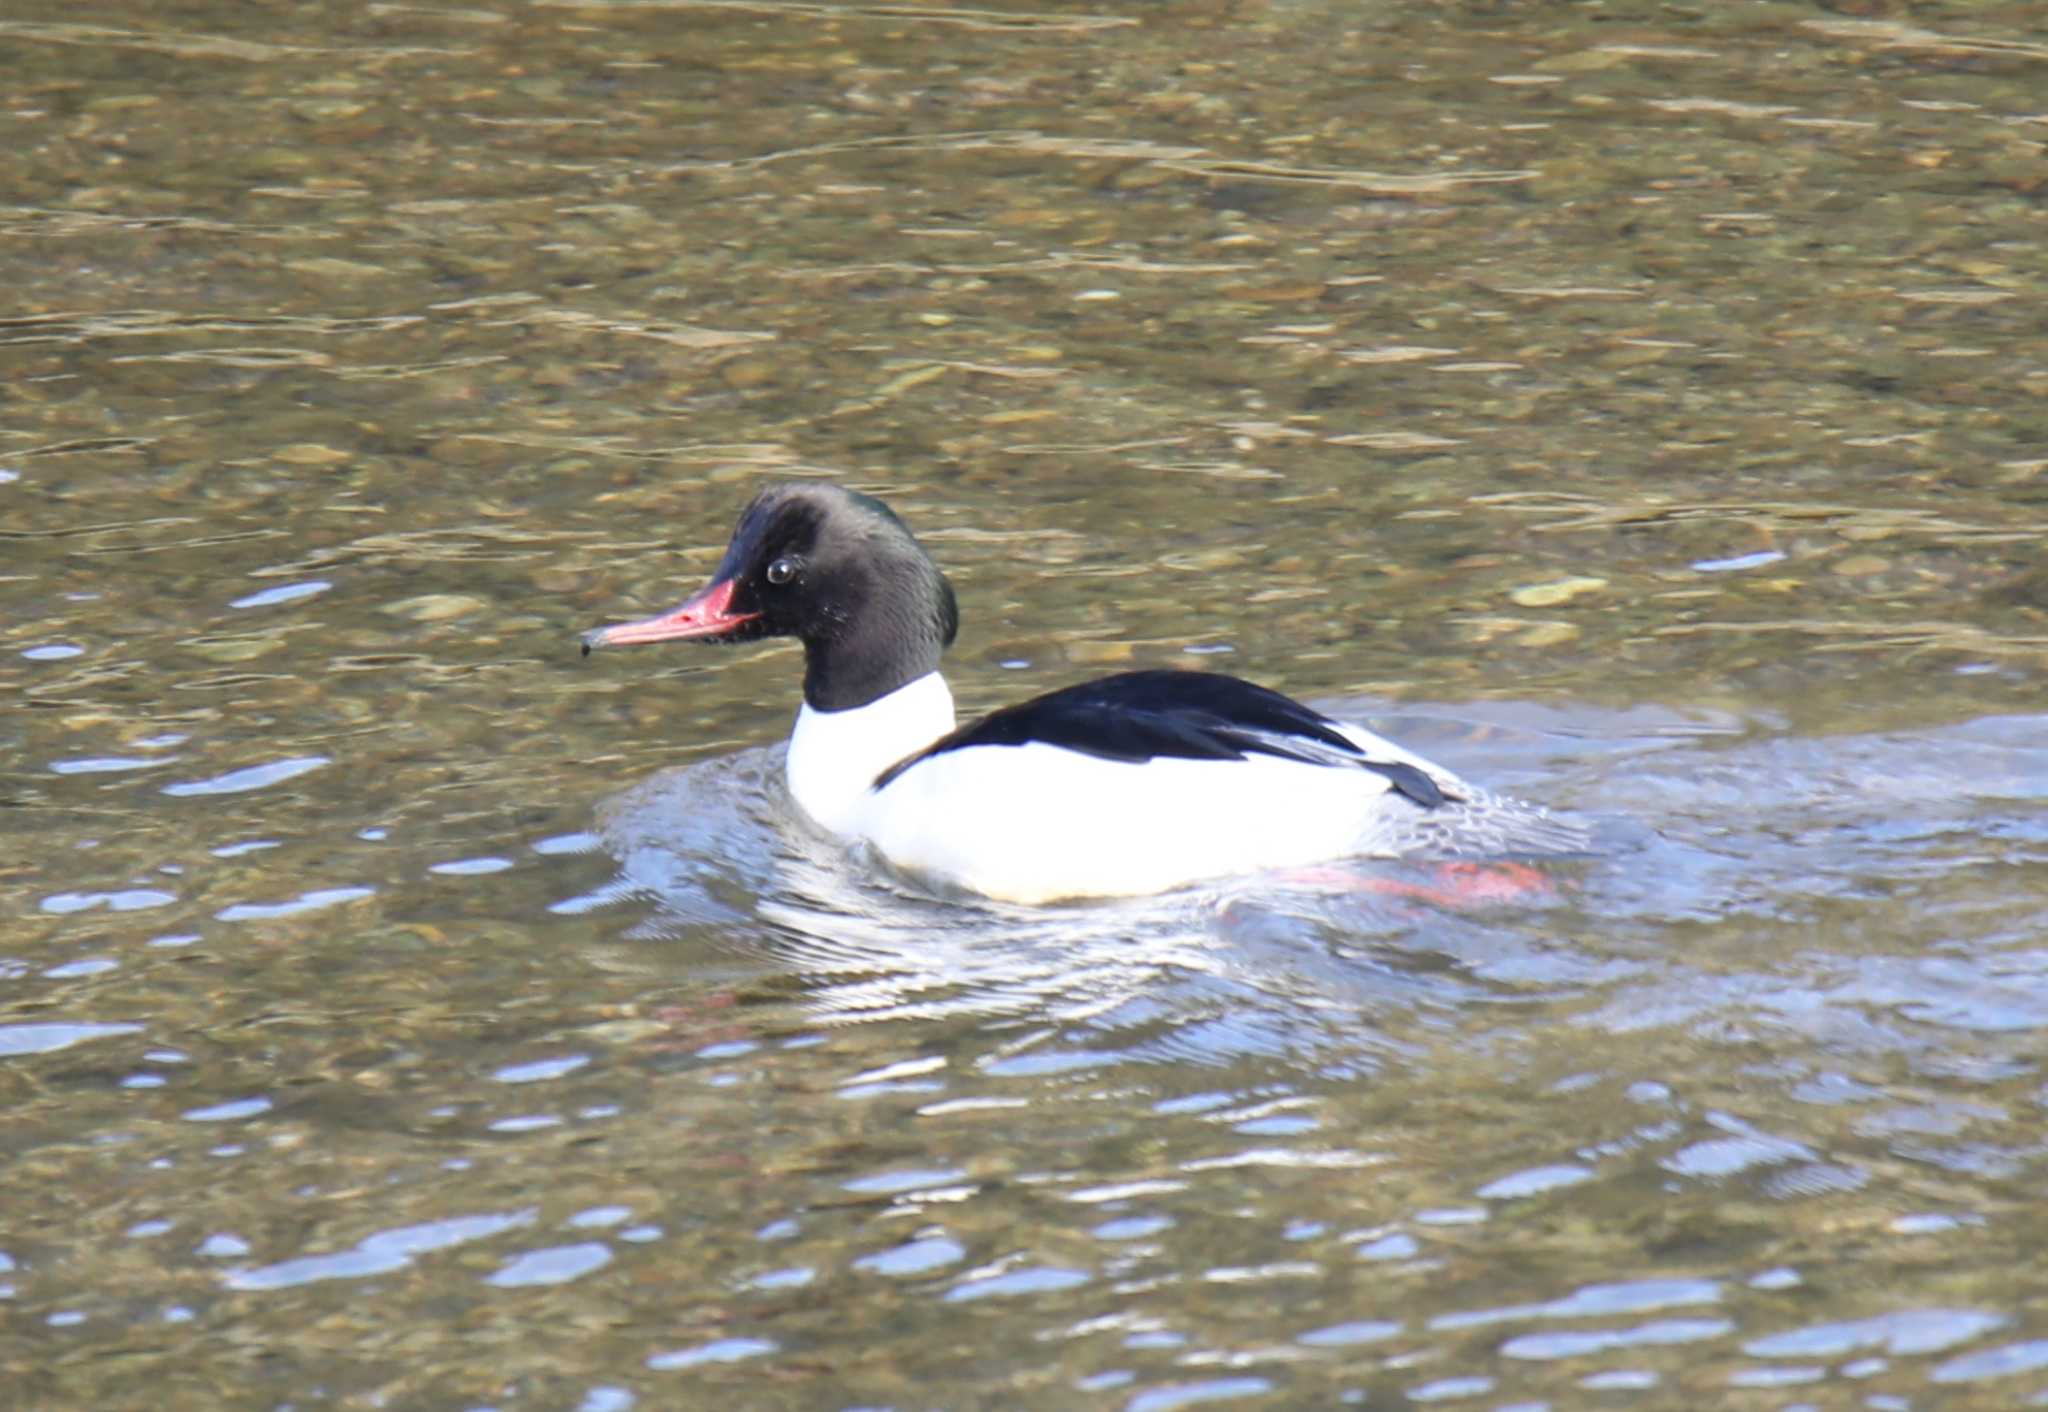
[[782, 570]]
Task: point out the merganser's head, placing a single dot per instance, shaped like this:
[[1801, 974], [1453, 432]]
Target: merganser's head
[[832, 568]]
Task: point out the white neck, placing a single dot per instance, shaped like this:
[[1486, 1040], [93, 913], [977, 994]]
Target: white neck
[[834, 756]]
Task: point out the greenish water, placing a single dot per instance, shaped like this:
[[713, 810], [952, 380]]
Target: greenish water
[[1642, 408]]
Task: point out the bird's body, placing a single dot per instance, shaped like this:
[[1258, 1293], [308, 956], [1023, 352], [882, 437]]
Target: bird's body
[[1127, 784]]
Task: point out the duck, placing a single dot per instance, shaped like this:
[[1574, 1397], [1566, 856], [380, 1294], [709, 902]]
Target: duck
[[1126, 785]]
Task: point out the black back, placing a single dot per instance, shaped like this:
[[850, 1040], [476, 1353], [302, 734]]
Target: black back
[[1139, 716]]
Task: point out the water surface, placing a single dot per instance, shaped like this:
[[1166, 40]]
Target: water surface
[[1638, 408]]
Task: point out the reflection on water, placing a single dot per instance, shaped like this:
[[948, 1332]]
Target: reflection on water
[[1241, 967], [1770, 832], [1252, 1140]]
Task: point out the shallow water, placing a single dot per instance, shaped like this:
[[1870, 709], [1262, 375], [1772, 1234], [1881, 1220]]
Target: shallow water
[[692, 1101], [1638, 409]]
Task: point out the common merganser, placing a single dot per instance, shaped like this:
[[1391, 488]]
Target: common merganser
[[1129, 784]]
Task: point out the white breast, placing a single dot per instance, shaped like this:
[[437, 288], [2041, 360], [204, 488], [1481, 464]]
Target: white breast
[[834, 756]]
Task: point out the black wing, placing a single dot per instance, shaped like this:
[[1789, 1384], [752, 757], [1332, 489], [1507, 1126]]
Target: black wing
[[1139, 716]]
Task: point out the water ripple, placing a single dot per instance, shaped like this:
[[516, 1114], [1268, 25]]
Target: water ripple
[[250, 778], [1901, 1332], [379, 1253], [49, 1036]]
